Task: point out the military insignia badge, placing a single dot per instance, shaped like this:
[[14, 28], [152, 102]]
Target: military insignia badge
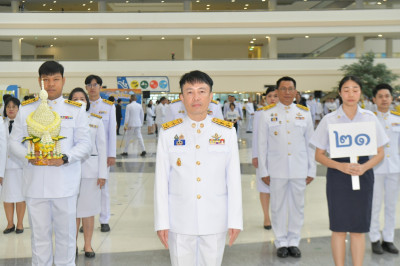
[[216, 140], [181, 111], [66, 117], [179, 141], [209, 112], [299, 116], [276, 133], [103, 112], [273, 119], [178, 162]]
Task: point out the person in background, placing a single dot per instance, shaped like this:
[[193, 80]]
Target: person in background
[[106, 110], [271, 99], [386, 173], [3, 152], [118, 114], [287, 164], [349, 210], [111, 99], [250, 115], [5, 97], [94, 174], [133, 124], [161, 113], [150, 118], [232, 116], [11, 193]]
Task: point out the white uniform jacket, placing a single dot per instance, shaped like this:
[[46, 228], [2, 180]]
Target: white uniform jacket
[[283, 142], [250, 108], [390, 164], [197, 189], [254, 138], [12, 162], [161, 113], [134, 116], [51, 181], [95, 166], [177, 110], [3, 149], [106, 110]]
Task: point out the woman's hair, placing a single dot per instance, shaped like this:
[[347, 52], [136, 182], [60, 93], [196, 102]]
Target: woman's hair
[[347, 78], [232, 104], [149, 105], [84, 93], [269, 90], [13, 100]]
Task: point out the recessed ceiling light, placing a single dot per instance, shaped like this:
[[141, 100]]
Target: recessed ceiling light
[[126, 1], [55, 38], [162, 38], [51, 45], [54, 2], [307, 36], [251, 41], [91, 38], [208, 5], [198, 38], [380, 35], [21, 38], [246, 5], [254, 39], [233, 1], [263, 0], [83, 4], [44, 4], [162, 1], [89, 9], [91, 2], [197, 1], [51, 9], [208, 8], [245, 8], [266, 37], [379, 3], [127, 38]]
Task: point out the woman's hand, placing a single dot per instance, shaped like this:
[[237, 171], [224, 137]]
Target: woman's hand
[[352, 169], [101, 182]]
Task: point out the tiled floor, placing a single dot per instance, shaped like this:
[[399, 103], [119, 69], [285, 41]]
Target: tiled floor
[[132, 240]]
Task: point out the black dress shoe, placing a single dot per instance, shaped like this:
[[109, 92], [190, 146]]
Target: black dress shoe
[[143, 153], [81, 229], [282, 252], [294, 252], [105, 228], [376, 247], [19, 231], [90, 254], [76, 252], [9, 230], [267, 227], [389, 247], [124, 154]]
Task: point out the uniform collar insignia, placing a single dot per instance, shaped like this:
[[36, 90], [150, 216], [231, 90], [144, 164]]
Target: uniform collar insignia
[[216, 140]]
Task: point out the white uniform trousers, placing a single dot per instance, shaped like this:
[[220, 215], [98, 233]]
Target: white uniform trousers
[[44, 215], [130, 134], [287, 210], [194, 250], [105, 213], [385, 187], [250, 122]]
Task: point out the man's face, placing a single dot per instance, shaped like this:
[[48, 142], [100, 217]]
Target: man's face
[[93, 89], [196, 97], [286, 92], [53, 84], [383, 99]]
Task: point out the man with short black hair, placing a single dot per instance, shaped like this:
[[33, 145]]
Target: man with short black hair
[[106, 110]]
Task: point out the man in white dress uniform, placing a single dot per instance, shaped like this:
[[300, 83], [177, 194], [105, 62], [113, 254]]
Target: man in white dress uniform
[[106, 109], [134, 118], [287, 164], [387, 174], [51, 191], [249, 115], [197, 190], [176, 110], [161, 113]]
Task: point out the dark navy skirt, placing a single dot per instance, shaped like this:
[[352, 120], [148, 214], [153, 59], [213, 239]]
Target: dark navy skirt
[[349, 210]]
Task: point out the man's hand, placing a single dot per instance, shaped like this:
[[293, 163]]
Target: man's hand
[[309, 180], [1, 181], [254, 162], [266, 180], [125, 128], [163, 236], [233, 234], [55, 162], [110, 161], [101, 182]]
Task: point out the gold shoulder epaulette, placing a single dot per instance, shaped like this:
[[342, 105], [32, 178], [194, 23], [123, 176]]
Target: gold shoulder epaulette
[[172, 123], [108, 102], [73, 103], [265, 108], [222, 122], [98, 116], [30, 101], [395, 113], [176, 100], [302, 107], [214, 101], [375, 113]]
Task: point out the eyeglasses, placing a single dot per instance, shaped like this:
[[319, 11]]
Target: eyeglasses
[[12, 106], [287, 89], [94, 85]]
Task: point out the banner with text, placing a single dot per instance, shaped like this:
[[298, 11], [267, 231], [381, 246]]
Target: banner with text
[[145, 83]]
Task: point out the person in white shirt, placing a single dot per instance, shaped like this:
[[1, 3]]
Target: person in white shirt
[[150, 118], [94, 173], [197, 188], [249, 115], [134, 118], [387, 174], [232, 116], [161, 113], [11, 193]]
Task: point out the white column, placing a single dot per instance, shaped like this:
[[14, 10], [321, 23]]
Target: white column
[[389, 48], [273, 47], [359, 4], [187, 48], [103, 49], [272, 5], [187, 5], [102, 6], [14, 6], [359, 45], [16, 49]]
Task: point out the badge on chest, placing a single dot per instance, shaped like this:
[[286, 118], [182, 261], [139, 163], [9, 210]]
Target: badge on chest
[[216, 140], [179, 141]]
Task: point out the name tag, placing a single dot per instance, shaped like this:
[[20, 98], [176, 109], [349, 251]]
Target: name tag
[[94, 126], [103, 112]]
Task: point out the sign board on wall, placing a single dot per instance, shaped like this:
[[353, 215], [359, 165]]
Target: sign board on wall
[[145, 83]]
